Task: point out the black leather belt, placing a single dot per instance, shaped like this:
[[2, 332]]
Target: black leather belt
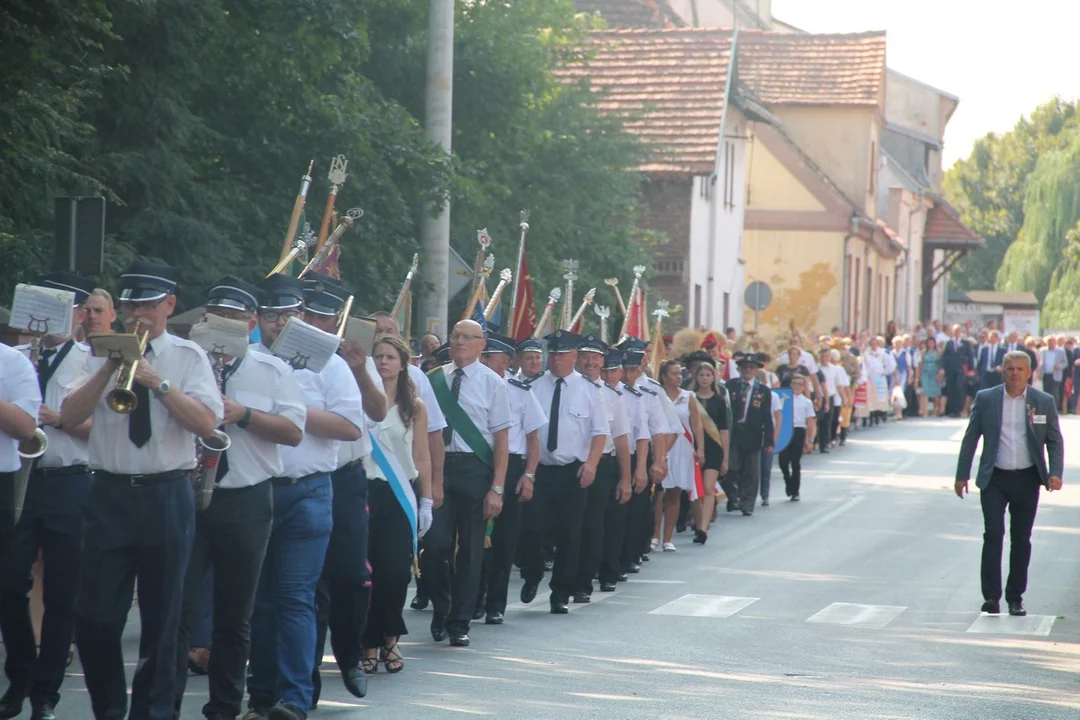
[[59, 472], [460, 455], [141, 480], [516, 456], [284, 481], [359, 462]]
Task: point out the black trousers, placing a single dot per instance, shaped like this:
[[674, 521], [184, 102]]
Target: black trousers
[[741, 484], [791, 461], [599, 497], [639, 525], [825, 426], [954, 393], [1017, 490], [390, 556], [498, 559], [230, 538], [344, 588], [51, 523], [615, 523], [460, 518], [556, 511], [133, 533]]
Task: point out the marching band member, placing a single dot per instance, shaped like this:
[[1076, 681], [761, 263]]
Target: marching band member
[[612, 484], [263, 410], [524, 447], [51, 523], [20, 404], [283, 628], [139, 516], [100, 313], [751, 433], [572, 442], [344, 589], [530, 355], [474, 401]]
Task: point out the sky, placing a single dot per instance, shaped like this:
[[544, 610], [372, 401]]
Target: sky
[[1002, 59]]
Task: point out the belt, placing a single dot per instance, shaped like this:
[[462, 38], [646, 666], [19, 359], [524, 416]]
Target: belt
[[517, 456], [1028, 469], [141, 480], [58, 472], [359, 462], [459, 455], [284, 481]]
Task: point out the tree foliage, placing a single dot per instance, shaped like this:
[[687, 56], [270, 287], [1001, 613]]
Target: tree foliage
[[1060, 309]]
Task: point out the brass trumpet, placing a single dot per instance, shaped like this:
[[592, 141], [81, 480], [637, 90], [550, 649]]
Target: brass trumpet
[[122, 399]]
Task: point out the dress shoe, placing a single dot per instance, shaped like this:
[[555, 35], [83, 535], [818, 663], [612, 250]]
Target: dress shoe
[[11, 704], [732, 506], [747, 513], [700, 537], [42, 711], [559, 607], [459, 639], [420, 602], [494, 618], [355, 681], [1016, 608], [622, 577], [765, 502], [478, 613], [992, 607], [581, 598], [254, 713], [795, 497], [528, 592], [286, 712], [438, 629], [607, 587], [634, 568]]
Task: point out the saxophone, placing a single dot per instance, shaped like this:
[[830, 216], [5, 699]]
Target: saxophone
[[208, 450]]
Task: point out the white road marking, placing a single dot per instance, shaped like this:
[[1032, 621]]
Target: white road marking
[[855, 614], [717, 606], [1005, 624]]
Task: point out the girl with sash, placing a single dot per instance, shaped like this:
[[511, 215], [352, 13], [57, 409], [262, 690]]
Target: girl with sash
[[396, 463], [713, 411], [685, 458]]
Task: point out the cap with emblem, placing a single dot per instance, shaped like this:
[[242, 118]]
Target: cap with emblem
[[69, 281], [592, 344], [442, 354], [530, 345], [613, 359], [144, 281], [235, 294], [696, 356], [323, 295], [633, 351], [562, 341], [497, 343], [748, 359], [281, 292]]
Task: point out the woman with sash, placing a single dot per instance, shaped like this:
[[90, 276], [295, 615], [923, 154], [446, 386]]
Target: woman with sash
[[713, 411], [685, 457], [400, 471]]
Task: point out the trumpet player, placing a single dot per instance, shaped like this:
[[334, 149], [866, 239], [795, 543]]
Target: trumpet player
[[263, 411], [20, 401], [50, 523], [139, 516]]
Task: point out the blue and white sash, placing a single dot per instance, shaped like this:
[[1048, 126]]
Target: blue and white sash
[[395, 476]]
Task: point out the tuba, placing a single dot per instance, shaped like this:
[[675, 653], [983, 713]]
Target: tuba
[[208, 450], [121, 398]]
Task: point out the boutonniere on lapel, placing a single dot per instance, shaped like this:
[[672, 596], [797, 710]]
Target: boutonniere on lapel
[[1031, 415]]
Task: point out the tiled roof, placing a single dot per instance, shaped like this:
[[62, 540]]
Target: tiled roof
[[669, 84], [632, 13], [943, 228]]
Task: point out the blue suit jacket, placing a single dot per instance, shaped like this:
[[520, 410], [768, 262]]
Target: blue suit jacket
[[985, 422]]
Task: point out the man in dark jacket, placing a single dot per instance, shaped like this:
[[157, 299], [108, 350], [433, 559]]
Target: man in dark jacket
[[751, 404]]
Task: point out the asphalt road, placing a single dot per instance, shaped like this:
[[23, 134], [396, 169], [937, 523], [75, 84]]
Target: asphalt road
[[861, 601]]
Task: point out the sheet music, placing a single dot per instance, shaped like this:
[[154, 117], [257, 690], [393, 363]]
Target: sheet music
[[221, 336], [42, 310], [305, 346], [362, 331]]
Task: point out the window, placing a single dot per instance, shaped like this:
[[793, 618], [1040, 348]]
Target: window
[[727, 309], [668, 266]]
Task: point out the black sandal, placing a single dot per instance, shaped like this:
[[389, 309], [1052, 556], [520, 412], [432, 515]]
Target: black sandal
[[391, 655], [370, 665]]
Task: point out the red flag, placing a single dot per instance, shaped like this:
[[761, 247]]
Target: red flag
[[635, 326], [523, 324], [578, 325]]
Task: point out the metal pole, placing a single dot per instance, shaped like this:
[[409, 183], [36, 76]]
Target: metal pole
[[438, 117]]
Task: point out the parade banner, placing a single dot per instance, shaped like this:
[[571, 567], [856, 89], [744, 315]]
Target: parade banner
[[787, 419]]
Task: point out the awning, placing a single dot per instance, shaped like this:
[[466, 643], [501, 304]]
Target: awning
[[944, 231]]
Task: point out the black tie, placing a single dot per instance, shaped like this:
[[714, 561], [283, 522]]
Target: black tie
[[743, 399], [223, 463], [553, 423], [455, 390], [44, 368], [139, 419]]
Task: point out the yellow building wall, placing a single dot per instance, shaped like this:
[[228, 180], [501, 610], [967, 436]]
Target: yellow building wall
[[874, 312], [771, 186], [803, 270]]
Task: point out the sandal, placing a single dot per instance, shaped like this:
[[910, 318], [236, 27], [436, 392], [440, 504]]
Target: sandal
[[370, 665], [392, 659]]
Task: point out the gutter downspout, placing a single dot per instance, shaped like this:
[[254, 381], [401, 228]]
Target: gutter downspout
[[713, 207], [845, 286], [909, 290]]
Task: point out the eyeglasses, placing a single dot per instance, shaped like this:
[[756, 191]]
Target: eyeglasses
[[128, 307], [273, 316], [463, 337]]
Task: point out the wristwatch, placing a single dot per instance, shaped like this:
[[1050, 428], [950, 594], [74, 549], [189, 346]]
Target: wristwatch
[[497, 489], [243, 422], [162, 389], [531, 476]]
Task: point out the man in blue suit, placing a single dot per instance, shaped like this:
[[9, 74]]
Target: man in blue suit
[[991, 355], [1016, 422]]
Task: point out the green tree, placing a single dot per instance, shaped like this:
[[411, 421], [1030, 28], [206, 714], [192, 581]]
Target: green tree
[[1059, 308]]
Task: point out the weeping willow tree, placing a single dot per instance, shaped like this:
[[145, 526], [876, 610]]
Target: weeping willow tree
[[1060, 308], [1051, 209]]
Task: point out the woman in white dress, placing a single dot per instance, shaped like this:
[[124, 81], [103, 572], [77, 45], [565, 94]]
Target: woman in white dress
[[390, 532], [684, 457]]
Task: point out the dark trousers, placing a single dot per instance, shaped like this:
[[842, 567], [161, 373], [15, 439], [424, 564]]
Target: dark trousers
[[614, 531], [495, 575], [1017, 490], [1052, 387], [390, 550], [638, 528], [132, 534], [230, 540], [203, 626], [556, 511], [51, 523], [741, 484], [344, 588], [599, 498], [954, 393], [791, 461], [460, 518], [989, 379], [825, 422]]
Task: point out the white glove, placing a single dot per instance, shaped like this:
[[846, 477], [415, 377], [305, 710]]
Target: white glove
[[423, 520]]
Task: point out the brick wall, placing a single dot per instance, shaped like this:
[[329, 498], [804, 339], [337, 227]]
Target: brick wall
[[668, 206]]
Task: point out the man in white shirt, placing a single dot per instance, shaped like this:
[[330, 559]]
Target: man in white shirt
[[263, 411], [20, 403], [474, 400], [50, 523], [139, 516], [837, 388], [283, 624], [803, 434], [530, 354], [571, 444], [100, 313], [524, 449]]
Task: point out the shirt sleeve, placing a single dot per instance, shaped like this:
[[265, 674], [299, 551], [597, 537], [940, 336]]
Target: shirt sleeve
[[22, 385], [655, 415], [341, 393], [288, 402], [598, 420], [499, 415], [810, 363], [199, 382], [535, 417], [775, 404], [620, 425]]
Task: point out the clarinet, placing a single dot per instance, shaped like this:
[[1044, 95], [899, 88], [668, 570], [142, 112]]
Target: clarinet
[[208, 449]]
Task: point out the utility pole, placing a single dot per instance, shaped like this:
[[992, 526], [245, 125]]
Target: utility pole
[[438, 121]]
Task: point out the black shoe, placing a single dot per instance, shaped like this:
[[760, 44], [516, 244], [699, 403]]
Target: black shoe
[[823, 451], [438, 629], [680, 527], [11, 704], [992, 607], [1016, 608], [478, 614], [623, 577], [747, 513], [316, 687], [528, 592], [286, 712], [459, 639], [634, 568], [700, 537], [355, 681], [607, 587], [420, 602], [795, 497], [764, 502], [732, 506], [549, 565], [42, 711], [255, 713], [494, 618], [559, 607], [582, 598], [645, 558]]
